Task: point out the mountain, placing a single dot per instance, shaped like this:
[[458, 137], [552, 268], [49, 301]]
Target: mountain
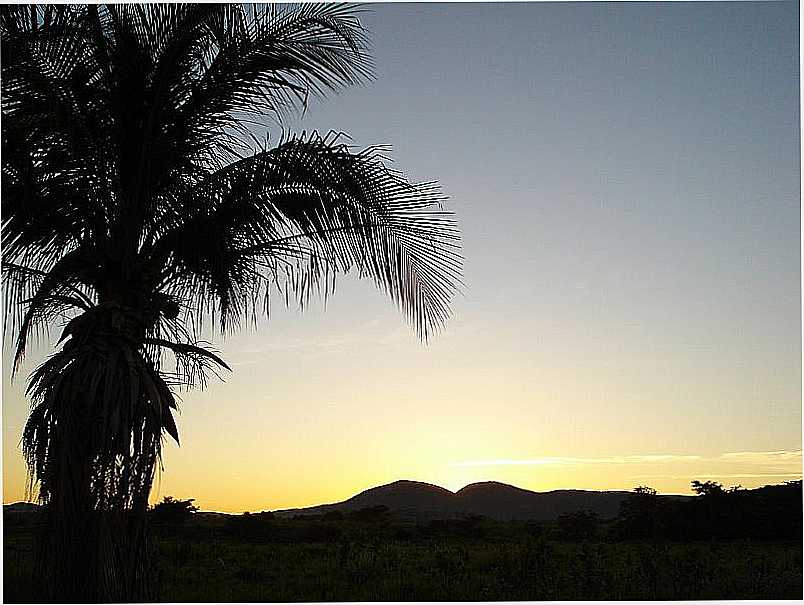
[[21, 507], [506, 502], [417, 501], [407, 499], [421, 501]]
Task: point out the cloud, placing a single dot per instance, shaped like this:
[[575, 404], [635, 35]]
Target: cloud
[[719, 476], [565, 461], [777, 457], [780, 464]]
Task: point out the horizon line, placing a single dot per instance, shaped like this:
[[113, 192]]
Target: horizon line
[[798, 477]]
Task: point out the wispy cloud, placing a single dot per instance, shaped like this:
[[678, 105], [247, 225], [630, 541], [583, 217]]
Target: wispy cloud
[[782, 458], [777, 457], [719, 476], [566, 461]]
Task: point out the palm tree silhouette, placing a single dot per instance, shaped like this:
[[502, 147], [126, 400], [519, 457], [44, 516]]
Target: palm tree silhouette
[[138, 206]]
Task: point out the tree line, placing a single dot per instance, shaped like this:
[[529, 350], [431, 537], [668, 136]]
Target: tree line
[[770, 513]]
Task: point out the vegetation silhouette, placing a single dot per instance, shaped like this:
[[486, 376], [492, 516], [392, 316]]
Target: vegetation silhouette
[[171, 512], [772, 512], [251, 526], [388, 557], [138, 205], [371, 514], [580, 525]]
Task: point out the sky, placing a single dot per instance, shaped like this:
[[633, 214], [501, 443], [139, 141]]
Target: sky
[[626, 180]]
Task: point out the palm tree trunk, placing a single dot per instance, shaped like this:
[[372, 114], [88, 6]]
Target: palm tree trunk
[[95, 558], [87, 555]]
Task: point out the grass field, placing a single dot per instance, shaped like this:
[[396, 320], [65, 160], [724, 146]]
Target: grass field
[[505, 562]]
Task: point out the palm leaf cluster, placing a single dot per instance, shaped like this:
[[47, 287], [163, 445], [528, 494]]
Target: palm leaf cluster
[[137, 205]]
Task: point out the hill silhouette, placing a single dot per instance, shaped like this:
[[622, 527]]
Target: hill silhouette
[[407, 499], [506, 502], [21, 507], [499, 501]]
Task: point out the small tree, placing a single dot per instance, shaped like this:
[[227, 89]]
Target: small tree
[[640, 514], [171, 511], [708, 488]]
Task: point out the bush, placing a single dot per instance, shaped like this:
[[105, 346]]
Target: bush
[[172, 512], [579, 526], [256, 526]]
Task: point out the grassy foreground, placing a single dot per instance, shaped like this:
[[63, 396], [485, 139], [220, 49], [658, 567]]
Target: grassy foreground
[[478, 572], [300, 562]]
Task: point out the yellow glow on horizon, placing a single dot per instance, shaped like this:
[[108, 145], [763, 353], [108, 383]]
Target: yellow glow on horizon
[[301, 422], [280, 488]]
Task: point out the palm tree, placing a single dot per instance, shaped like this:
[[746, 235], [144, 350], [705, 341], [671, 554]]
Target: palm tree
[[138, 207]]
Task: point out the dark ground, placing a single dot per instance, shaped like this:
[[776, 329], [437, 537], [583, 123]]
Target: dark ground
[[257, 558]]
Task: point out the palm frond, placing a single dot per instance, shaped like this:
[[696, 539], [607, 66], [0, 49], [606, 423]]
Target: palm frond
[[295, 216], [98, 395], [57, 292]]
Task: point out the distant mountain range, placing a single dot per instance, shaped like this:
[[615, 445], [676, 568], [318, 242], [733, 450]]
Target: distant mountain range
[[421, 501], [414, 500]]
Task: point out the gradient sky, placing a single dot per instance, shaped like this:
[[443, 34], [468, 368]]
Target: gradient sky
[[626, 178]]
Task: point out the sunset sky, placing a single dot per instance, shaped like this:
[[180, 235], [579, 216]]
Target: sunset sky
[[626, 179]]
